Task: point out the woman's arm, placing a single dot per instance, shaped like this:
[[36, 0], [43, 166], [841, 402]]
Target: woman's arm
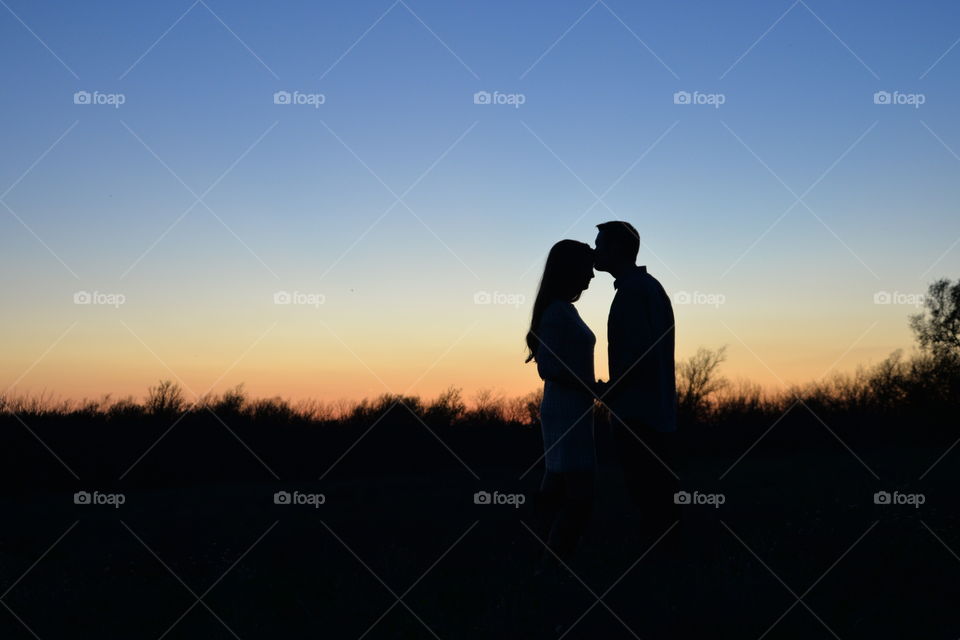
[[550, 354]]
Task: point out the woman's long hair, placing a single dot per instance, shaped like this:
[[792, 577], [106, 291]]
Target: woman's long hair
[[567, 262]]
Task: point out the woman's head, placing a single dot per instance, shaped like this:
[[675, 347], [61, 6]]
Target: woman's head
[[566, 275]]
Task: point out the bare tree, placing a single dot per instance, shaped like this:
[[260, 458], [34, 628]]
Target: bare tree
[[488, 405], [938, 327], [697, 380], [165, 398]]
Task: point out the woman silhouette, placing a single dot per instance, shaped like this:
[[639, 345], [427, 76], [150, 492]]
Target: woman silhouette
[[562, 346]]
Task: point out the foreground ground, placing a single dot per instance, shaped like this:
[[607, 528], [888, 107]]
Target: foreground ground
[[799, 549]]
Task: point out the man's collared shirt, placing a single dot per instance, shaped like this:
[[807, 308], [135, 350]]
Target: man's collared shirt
[[640, 346]]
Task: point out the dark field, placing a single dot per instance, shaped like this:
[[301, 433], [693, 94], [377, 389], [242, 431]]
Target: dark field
[[799, 549]]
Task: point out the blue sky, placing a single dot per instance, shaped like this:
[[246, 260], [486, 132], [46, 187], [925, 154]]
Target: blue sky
[[301, 197]]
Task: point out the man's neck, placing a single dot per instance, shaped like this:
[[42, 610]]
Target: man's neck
[[622, 270]]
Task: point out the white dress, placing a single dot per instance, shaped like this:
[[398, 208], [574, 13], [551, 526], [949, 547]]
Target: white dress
[[565, 355]]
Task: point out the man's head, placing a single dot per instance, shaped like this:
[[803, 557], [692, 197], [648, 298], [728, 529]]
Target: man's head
[[617, 246]]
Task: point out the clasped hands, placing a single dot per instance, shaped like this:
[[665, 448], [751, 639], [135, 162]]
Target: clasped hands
[[599, 388]]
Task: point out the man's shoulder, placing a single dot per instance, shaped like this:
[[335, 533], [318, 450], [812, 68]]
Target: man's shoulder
[[640, 292], [639, 282], [652, 284]]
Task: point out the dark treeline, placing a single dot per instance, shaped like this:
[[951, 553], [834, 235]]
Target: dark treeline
[[902, 401]]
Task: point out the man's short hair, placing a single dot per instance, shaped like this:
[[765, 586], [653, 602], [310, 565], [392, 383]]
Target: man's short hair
[[624, 235]]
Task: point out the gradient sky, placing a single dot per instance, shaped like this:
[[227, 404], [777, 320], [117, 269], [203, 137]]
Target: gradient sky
[[302, 199]]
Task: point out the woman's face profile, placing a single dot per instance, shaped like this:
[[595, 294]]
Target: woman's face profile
[[585, 276]]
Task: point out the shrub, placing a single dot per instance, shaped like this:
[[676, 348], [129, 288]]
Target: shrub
[[488, 406], [164, 399], [272, 410], [448, 408]]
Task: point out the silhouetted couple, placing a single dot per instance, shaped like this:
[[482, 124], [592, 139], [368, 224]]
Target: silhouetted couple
[[640, 394]]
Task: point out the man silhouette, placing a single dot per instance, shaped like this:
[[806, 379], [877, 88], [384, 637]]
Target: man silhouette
[[641, 393]]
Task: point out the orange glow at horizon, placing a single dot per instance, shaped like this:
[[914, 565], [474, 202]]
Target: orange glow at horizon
[[342, 367]]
